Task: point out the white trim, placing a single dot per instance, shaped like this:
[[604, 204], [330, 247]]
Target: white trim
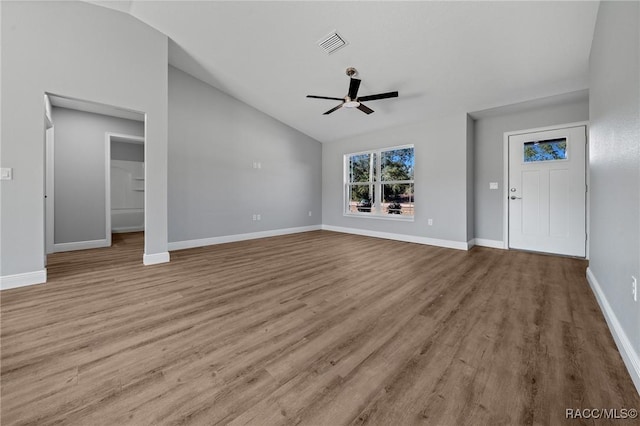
[[107, 190], [505, 175], [459, 245], [154, 259], [22, 280], [126, 229], [629, 355], [379, 216], [49, 189], [481, 242], [81, 245], [181, 245]]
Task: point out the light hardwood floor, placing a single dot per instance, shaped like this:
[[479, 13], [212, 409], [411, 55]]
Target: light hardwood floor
[[317, 328]]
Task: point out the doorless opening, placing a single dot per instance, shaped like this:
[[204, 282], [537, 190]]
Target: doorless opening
[[77, 181]]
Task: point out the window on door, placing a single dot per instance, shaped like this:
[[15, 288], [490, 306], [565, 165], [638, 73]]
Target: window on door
[[380, 183], [546, 150]]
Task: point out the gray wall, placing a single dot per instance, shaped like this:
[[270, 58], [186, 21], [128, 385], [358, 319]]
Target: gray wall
[[490, 127], [440, 178], [86, 59], [614, 160], [128, 151], [79, 172], [214, 190]]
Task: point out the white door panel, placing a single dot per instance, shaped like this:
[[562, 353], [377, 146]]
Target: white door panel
[[547, 191]]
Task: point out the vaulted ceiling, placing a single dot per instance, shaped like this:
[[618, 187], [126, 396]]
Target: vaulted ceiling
[[443, 57]]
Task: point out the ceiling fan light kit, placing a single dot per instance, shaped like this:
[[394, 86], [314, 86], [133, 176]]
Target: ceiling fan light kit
[[352, 100]]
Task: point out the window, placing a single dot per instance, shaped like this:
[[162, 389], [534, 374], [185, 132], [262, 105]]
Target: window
[[380, 183], [549, 150]]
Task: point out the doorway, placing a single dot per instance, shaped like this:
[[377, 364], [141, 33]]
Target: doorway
[[124, 156], [77, 178], [546, 190]]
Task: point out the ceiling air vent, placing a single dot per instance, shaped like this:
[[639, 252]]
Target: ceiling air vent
[[332, 42]]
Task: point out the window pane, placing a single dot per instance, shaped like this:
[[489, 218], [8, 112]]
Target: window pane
[[359, 168], [552, 149], [397, 199], [361, 198], [397, 164]]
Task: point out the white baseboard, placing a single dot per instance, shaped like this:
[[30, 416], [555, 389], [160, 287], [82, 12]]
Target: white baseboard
[[459, 245], [124, 229], [154, 259], [629, 355], [181, 245], [21, 280], [488, 243], [80, 245]]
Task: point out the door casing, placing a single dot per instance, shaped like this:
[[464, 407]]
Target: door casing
[[505, 177]]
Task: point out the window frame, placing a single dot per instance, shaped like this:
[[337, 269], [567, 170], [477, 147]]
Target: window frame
[[375, 185]]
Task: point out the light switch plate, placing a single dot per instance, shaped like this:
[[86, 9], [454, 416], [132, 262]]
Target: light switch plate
[[6, 173], [493, 185]]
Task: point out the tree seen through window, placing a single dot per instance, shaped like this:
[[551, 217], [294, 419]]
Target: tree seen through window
[[381, 182]]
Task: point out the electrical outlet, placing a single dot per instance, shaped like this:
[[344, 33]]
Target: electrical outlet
[[259, 218], [255, 217], [493, 185], [430, 222], [309, 213], [634, 288]]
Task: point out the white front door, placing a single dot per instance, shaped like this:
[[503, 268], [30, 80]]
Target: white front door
[[547, 191]]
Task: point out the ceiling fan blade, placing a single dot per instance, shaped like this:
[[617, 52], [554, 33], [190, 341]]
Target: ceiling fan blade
[[324, 97], [365, 109], [354, 85], [379, 96], [333, 109]]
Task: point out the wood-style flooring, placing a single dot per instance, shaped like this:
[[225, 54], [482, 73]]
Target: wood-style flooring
[[319, 328]]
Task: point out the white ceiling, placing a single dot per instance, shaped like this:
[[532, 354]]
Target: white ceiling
[[443, 57]]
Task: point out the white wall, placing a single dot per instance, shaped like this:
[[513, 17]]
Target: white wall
[[214, 190], [440, 180], [80, 172], [127, 196], [614, 160], [490, 127], [72, 49]]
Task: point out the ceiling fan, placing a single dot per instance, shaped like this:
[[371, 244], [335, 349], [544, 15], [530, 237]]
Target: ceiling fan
[[352, 100]]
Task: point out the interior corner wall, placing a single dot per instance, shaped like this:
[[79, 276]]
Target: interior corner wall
[[87, 52], [80, 172], [440, 180], [614, 162], [489, 157], [215, 182]]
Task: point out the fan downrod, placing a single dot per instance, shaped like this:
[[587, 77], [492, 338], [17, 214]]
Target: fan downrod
[[351, 71]]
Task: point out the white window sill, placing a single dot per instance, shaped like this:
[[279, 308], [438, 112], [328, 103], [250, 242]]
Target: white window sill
[[391, 217]]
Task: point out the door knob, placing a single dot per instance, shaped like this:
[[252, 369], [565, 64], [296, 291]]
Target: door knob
[[513, 197]]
